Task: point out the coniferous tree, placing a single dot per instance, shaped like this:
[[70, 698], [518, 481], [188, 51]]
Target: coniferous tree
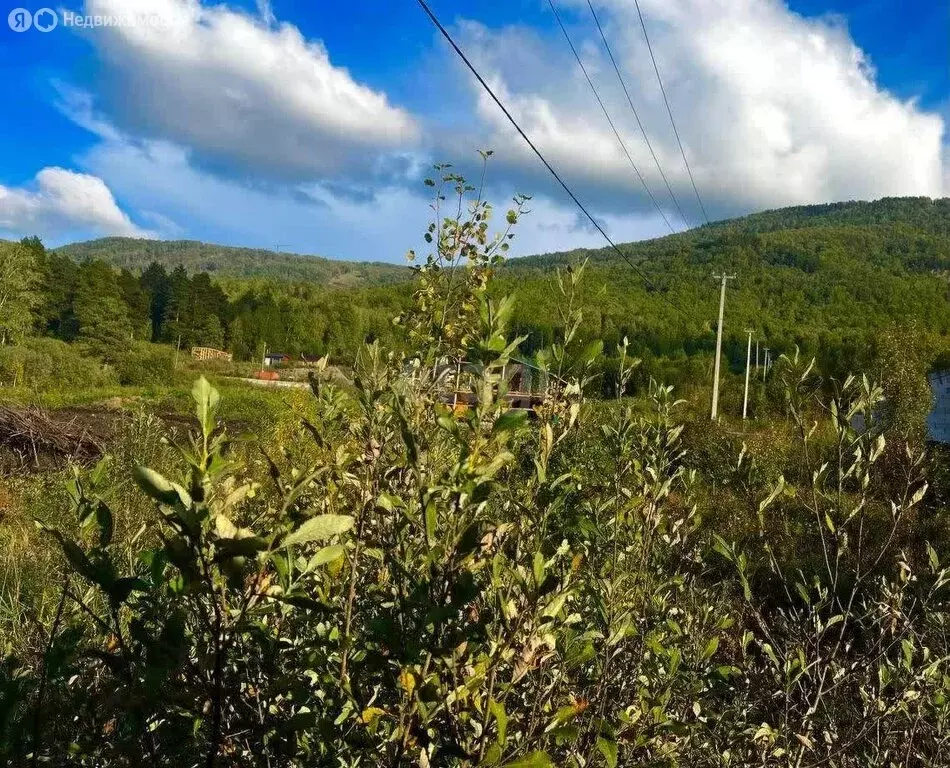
[[176, 309], [155, 283], [137, 301], [102, 316], [57, 275]]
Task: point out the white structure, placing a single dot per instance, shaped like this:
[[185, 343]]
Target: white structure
[[938, 423]]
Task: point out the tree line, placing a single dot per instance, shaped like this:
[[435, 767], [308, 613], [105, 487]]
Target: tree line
[[828, 280], [108, 310]]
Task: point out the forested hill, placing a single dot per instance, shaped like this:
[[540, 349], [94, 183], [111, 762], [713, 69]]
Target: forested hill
[[828, 279], [226, 261], [920, 213], [903, 215]]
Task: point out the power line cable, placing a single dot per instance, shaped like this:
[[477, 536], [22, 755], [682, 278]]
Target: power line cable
[[669, 111], [636, 114], [613, 127], [445, 33]]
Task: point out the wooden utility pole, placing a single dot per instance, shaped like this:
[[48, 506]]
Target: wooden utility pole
[[748, 365], [458, 383], [722, 309], [178, 345]]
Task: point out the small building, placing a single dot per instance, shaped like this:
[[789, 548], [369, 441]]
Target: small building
[[525, 385], [272, 359]]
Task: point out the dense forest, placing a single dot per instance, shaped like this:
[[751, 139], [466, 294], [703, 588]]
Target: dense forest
[[825, 279], [111, 310]]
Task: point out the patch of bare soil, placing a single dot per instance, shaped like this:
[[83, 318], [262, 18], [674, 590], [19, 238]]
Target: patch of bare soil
[[36, 440]]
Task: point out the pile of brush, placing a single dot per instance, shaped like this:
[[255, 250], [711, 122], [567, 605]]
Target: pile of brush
[[35, 438]]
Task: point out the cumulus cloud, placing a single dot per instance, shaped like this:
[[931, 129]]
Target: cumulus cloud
[[774, 109], [242, 90], [61, 201], [235, 127], [382, 224]]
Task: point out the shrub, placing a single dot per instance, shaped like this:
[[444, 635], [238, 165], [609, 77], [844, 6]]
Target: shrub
[[145, 364], [46, 364]]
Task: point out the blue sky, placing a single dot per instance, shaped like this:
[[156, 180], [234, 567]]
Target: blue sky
[[311, 125]]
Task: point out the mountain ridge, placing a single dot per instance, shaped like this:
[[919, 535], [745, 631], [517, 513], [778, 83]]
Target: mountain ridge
[[923, 214], [234, 261]]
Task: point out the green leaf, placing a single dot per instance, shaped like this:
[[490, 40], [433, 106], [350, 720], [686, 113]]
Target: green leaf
[[509, 421], [320, 528], [537, 566], [591, 352], [431, 522], [933, 557], [328, 555], [206, 398], [534, 760], [470, 540], [553, 608], [77, 558], [497, 710], [106, 524], [155, 485], [564, 714], [711, 647], [608, 749]]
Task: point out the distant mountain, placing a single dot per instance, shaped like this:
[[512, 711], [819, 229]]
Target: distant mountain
[[896, 215], [230, 262], [920, 224], [921, 213]]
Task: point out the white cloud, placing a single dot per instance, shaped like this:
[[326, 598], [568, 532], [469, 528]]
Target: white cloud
[[266, 12], [236, 128], [774, 109], [242, 90], [381, 223], [64, 201]]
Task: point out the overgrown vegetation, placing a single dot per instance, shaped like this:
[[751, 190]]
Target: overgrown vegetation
[[388, 581]]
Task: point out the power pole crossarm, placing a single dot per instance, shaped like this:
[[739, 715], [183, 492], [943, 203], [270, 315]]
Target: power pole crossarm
[[724, 278]]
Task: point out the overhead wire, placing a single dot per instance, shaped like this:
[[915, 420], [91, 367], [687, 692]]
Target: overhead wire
[[636, 115], [669, 110], [610, 121], [445, 33]]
